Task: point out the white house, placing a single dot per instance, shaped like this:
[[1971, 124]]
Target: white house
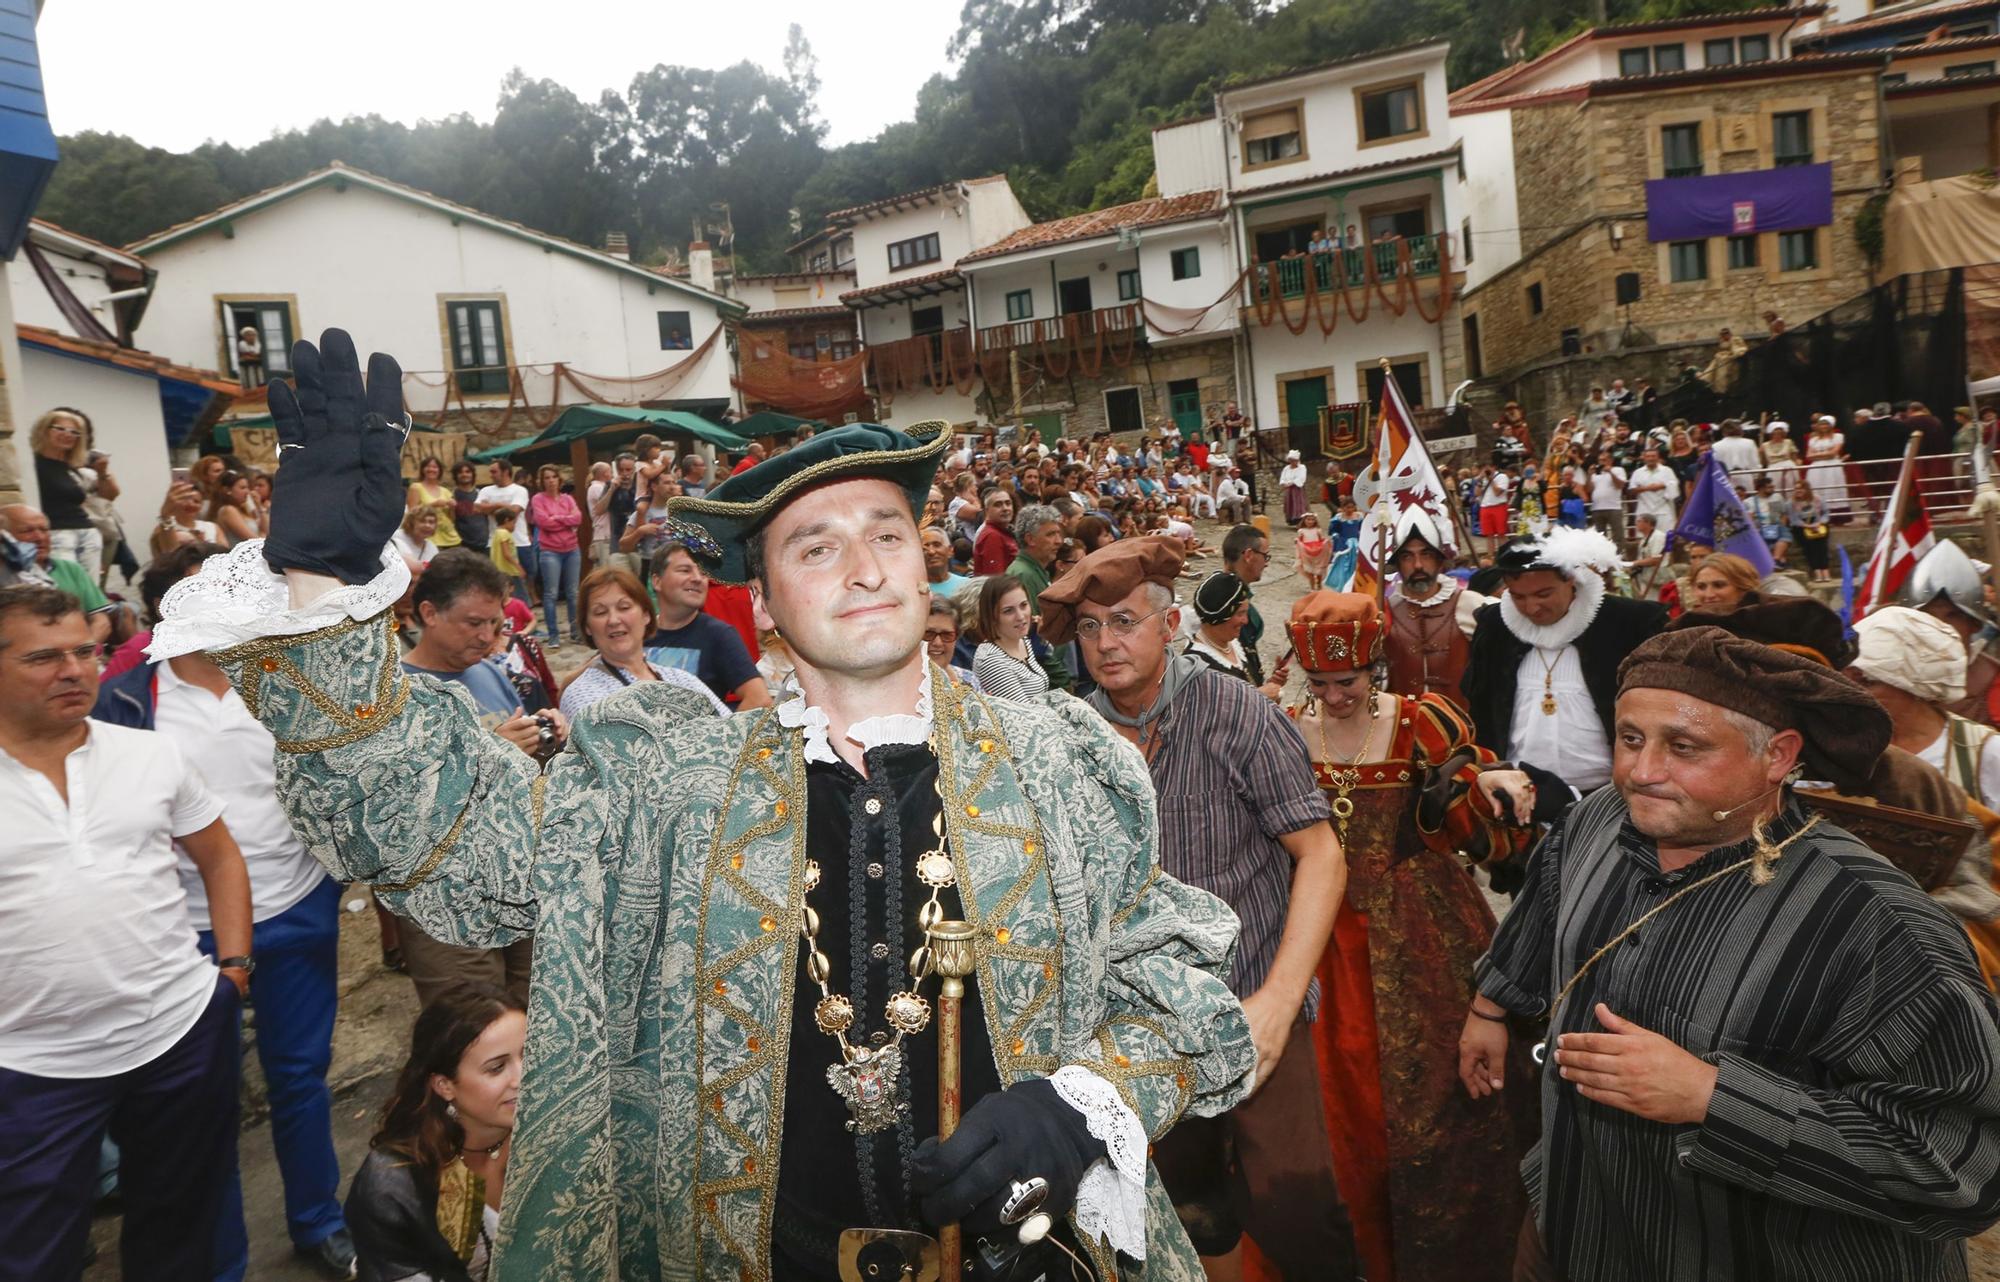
[[1120, 319], [75, 302], [910, 298], [1361, 152], [478, 310]]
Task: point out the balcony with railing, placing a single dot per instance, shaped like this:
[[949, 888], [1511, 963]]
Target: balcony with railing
[[1331, 270], [1066, 332]]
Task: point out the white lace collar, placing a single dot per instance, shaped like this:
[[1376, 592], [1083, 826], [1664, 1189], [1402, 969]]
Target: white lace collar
[[1564, 631], [870, 732], [1448, 588]]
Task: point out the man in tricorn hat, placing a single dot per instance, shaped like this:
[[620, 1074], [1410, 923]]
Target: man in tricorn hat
[[732, 1061], [1771, 1054], [1430, 614]]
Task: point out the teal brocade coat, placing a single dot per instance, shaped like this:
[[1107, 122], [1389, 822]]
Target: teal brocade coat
[[659, 861]]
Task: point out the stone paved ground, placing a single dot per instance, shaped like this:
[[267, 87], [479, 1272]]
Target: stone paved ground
[[377, 1007]]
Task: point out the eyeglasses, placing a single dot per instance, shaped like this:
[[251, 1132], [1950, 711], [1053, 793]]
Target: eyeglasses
[[931, 638], [1119, 625], [43, 660]]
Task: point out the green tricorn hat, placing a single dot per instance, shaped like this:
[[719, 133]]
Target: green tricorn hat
[[716, 527]]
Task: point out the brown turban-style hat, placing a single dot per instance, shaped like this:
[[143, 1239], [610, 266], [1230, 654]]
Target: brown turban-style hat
[[1796, 624], [1845, 730], [1107, 576]]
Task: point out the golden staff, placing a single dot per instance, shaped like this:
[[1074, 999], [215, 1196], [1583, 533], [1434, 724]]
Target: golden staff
[[953, 959]]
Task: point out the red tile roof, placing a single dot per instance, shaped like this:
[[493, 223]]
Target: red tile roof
[[908, 198], [109, 251], [1335, 175], [337, 173], [1804, 64], [1876, 21], [1349, 61], [793, 313], [126, 358], [949, 276], [1104, 222], [1479, 89], [1951, 44]]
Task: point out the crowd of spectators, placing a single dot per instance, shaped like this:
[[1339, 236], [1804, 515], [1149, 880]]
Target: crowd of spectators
[[203, 872]]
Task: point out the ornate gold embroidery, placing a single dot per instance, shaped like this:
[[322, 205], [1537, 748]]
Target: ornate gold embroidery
[[270, 656]]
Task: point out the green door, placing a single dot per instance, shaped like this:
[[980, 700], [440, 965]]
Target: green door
[[1304, 398], [1184, 403]]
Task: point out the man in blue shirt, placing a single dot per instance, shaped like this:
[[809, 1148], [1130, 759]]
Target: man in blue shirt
[[460, 601], [685, 638]]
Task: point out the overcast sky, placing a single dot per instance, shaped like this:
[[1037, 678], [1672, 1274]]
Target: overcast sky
[[175, 73]]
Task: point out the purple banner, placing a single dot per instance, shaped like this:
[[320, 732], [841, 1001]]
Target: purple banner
[[1738, 204]]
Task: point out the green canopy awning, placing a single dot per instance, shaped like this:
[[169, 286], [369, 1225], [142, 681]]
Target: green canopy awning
[[606, 426], [772, 423]]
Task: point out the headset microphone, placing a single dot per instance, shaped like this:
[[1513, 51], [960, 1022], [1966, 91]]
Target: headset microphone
[[1720, 815]]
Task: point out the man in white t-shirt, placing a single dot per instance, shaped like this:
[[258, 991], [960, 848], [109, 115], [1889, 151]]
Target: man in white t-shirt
[[1607, 497], [1738, 453], [296, 939], [1232, 498], [110, 1016], [1654, 488], [507, 504], [1496, 488]]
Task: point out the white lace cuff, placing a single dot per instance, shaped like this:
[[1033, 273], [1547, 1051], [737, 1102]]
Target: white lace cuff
[[236, 598], [1111, 1200]]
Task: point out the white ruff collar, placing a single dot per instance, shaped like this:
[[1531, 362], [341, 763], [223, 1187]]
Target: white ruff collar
[[1564, 631], [1448, 588], [869, 732]]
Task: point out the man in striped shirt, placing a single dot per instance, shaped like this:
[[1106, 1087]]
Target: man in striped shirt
[[1242, 818], [1773, 1055]]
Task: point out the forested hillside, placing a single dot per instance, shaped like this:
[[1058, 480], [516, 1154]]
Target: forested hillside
[[1058, 94]]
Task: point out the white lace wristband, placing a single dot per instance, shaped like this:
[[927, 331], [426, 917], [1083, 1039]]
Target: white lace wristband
[[1111, 1199], [236, 598]]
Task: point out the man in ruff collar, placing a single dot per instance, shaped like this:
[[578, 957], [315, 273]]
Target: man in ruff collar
[[731, 1055], [1543, 670], [1771, 1055]]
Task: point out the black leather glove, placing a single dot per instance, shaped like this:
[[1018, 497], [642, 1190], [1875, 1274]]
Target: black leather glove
[[338, 495], [1018, 1134]]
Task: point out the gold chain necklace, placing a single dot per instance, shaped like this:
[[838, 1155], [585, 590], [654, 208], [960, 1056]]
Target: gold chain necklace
[[1344, 780], [1548, 681], [867, 1077]]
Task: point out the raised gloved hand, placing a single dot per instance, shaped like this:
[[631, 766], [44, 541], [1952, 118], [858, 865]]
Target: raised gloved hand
[[1027, 1132], [338, 495]]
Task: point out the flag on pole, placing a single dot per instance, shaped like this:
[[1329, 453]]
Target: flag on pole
[[1714, 517], [1902, 542], [1846, 593], [1391, 507]]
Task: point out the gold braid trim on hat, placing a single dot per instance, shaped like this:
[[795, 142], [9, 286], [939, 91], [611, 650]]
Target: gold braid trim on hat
[[933, 433], [271, 656]]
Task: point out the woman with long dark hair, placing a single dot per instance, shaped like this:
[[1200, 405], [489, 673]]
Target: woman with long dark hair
[[426, 1201]]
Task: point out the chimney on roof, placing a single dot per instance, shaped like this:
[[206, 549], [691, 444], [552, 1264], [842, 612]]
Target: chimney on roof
[[617, 246], [701, 264]]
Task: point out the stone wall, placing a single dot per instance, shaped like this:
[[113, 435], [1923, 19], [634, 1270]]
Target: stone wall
[[1080, 400], [1581, 172]]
